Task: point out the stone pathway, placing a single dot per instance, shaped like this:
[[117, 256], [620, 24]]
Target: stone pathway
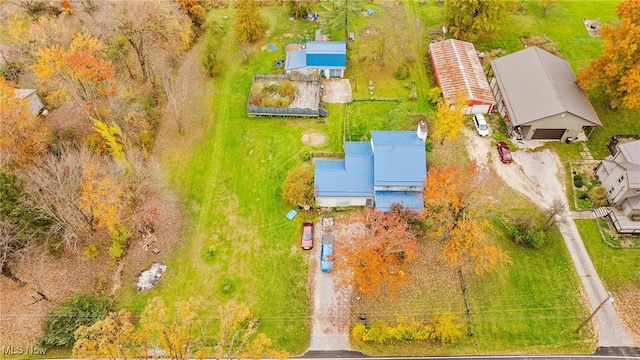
[[585, 153]]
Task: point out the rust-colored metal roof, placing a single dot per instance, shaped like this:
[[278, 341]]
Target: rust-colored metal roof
[[458, 69]]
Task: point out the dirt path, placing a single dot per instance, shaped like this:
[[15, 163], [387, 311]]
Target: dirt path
[[539, 176]]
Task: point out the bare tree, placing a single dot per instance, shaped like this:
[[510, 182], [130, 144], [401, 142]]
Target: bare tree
[[553, 215]]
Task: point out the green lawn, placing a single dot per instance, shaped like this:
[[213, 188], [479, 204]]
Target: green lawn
[[616, 267]]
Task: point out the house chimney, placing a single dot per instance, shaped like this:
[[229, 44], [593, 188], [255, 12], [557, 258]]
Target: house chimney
[[422, 131]]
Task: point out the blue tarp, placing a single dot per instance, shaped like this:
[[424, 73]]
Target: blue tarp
[[272, 47], [291, 214]]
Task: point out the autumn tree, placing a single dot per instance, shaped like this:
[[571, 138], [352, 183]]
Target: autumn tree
[[153, 27], [175, 334], [101, 196], [617, 71], [379, 252], [195, 11], [472, 19], [249, 25], [299, 9], [23, 136], [449, 118], [79, 71], [451, 197], [238, 337], [110, 338], [297, 188]]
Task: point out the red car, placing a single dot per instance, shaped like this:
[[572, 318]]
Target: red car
[[505, 153], [306, 240]]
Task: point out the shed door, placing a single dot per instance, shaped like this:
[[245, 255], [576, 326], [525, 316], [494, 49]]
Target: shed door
[[548, 134]]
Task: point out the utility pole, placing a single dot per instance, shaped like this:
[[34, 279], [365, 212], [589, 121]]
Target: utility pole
[[609, 300]]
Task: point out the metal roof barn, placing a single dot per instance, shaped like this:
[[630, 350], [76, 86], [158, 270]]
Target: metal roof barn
[[457, 70]]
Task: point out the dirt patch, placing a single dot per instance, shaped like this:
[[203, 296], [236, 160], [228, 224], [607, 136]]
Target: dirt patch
[[336, 91], [314, 138], [592, 26], [543, 42]]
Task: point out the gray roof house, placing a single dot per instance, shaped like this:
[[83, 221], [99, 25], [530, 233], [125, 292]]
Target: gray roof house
[[536, 91], [31, 97], [620, 177], [390, 169]]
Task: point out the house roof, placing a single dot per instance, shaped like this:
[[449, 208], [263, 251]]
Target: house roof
[[458, 70], [630, 161], [352, 176], [536, 84], [410, 200], [631, 151], [400, 158], [325, 54], [295, 59]]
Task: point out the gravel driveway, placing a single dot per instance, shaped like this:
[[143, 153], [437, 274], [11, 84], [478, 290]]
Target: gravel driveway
[[539, 176], [331, 311]]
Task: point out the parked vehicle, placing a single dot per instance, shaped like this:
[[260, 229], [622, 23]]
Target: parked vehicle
[[306, 239], [326, 253], [505, 152], [481, 125]]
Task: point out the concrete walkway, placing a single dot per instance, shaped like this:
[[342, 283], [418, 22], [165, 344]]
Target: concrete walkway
[[610, 329]]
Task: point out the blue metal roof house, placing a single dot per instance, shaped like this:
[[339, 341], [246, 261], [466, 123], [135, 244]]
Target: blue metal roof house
[[390, 169], [324, 58]]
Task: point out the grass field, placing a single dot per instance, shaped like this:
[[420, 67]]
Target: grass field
[[239, 246]]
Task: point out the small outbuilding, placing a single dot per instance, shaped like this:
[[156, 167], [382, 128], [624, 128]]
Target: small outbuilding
[[31, 97], [458, 69], [537, 93], [324, 58]]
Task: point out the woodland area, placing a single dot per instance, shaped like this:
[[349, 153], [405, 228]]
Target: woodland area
[[80, 189]]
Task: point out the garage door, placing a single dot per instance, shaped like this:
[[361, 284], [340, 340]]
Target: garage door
[[548, 134], [480, 109]]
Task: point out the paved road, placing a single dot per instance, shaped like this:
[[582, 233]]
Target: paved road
[[611, 330], [609, 354]]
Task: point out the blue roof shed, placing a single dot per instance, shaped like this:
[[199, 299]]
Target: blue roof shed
[[326, 54]]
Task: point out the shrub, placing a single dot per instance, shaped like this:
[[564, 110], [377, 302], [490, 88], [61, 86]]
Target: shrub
[[120, 236], [598, 196], [403, 72], [524, 229], [306, 153], [433, 95], [579, 180], [582, 195], [91, 251], [80, 310]]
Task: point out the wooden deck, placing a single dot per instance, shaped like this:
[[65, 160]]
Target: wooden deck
[[623, 224]]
